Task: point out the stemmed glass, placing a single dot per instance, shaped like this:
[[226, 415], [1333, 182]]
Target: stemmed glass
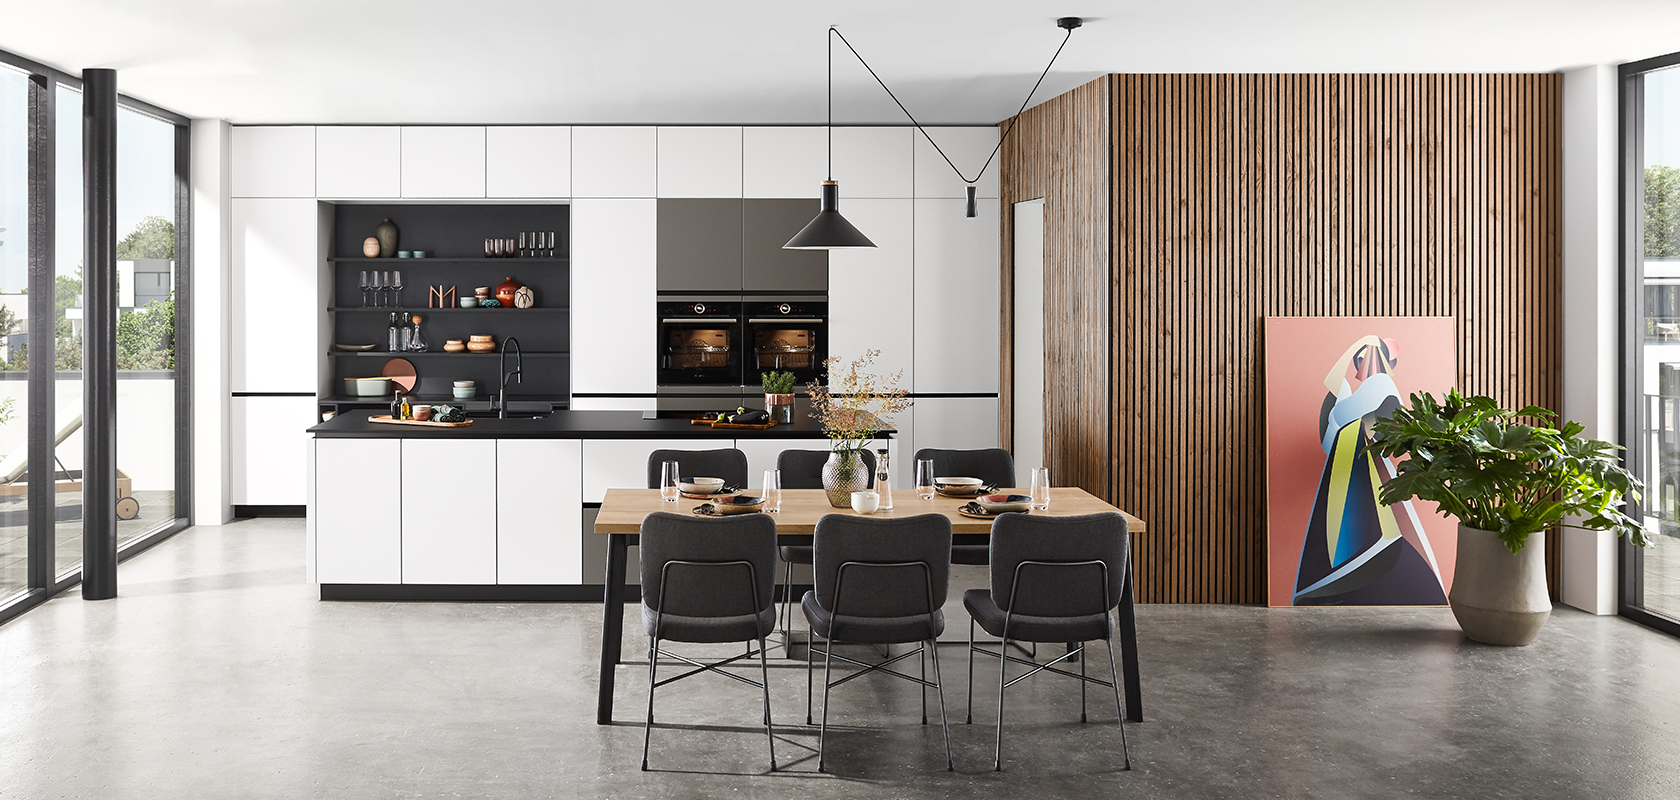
[[772, 490], [1041, 488], [397, 284], [924, 479], [521, 244], [364, 288], [668, 488], [378, 287]]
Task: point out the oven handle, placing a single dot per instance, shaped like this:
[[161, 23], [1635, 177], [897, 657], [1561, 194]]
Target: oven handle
[[703, 319], [784, 319]]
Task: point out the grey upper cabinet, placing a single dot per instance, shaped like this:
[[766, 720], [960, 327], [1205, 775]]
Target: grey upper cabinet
[[699, 245], [766, 266]]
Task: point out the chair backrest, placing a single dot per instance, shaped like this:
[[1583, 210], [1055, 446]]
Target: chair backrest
[[882, 592], [994, 466], [1058, 591], [708, 592], [727, 463], [802, 469]]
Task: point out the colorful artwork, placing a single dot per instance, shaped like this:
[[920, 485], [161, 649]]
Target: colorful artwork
[[1330, 542]]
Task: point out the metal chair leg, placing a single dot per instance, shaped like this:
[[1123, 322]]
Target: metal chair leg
[[828, 671], [647, 730], [939, 682], [970, 714], [809, 643], [997, 760], [921, 661], [764, 676], [787, 607], [1082, 687], [1125, 751]]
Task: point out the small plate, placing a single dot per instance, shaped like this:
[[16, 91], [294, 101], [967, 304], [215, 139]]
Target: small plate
[[978, 491], [975, 511], [354, 348], [696, 496]]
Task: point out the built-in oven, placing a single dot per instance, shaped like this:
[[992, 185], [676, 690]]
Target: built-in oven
[[701, 341], [788, 334]]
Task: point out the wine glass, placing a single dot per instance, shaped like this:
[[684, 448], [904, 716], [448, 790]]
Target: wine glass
[[1041, 488], [772, 490], [924, 478], [521, 244], [551, 244], [378, 289], [364, 288], [668, 488], [397, 284]]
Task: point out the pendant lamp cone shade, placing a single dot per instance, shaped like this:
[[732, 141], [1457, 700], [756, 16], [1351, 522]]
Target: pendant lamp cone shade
[[829, 231]]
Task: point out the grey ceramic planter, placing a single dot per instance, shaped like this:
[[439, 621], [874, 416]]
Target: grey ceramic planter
[[1498, 596]]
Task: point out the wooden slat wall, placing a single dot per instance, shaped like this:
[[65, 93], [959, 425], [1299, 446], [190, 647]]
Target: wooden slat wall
[[1236, 197]]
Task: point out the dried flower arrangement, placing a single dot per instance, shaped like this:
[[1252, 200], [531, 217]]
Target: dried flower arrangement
[[856, 404]]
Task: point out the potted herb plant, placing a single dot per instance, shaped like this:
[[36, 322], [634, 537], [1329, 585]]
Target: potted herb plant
[[778, 395], [854, 406], [1506, 482]]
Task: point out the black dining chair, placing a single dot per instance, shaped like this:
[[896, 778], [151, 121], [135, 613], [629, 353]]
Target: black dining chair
[[707, 581], [1054, 579], [802, 469], [880, 582], [993, 465], [727, 463]]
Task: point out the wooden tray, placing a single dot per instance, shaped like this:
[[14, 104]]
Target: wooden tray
[[386, 418], [763, 427]]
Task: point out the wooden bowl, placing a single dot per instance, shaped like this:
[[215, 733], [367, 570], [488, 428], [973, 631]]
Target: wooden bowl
[[481, 347], [738, 504], [453, 346]]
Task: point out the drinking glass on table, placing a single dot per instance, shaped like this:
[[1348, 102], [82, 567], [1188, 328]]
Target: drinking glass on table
[[1041, 488], [668, 488], [924, 478], [772, 490]]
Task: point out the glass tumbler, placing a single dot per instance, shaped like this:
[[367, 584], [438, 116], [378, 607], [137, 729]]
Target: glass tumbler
[[1041, 488], [668, 488], [924, 479], [772, 490]]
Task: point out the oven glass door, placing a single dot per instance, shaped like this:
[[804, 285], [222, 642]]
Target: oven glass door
[[699, 350], [786, 342]]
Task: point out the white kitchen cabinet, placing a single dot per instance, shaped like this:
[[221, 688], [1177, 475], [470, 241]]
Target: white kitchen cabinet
[[783, 162], [614, 265], [443, 161], [449, 511], [874, 162], [871, 293], [762, 454], [268, 450], [622, 463], [539, 511], [957, 423], [273, 161], [957, 301], [356, 161], [615, 161], [700, 161], [613, 403], [358, 511], [274, 345], [528, 161], [969, 148]]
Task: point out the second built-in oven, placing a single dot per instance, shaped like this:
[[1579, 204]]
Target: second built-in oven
[[701, 342], [785, 335]]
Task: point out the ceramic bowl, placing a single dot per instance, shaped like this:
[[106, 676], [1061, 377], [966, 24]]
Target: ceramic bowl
[[481, 337], [453, 346], [420, 253], [465, 393], [367, 387], [465, 384], [469, 302], [959, 485], [422, 413], [701, 485], [1001, 503], [866, 502], [738, 504], [405, 254], [481, 347]]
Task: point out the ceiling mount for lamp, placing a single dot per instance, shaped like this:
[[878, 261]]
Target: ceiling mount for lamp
[[829, 230]]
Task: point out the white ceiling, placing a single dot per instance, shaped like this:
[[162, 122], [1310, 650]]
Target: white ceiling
[[761, 61]]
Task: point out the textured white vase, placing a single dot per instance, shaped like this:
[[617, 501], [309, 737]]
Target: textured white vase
[[1498, 596]]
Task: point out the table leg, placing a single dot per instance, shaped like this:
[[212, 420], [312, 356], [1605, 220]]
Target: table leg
[[612, 624], [1128, 648]]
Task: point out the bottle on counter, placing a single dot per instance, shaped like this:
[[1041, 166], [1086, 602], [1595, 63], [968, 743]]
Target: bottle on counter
[[396, 404], [395, 344], [416, 340], [407, 407], [882, 486]]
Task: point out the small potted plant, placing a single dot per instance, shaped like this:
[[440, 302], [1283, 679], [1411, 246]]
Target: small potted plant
[[1506, 482], [852, 408], [778, 395]]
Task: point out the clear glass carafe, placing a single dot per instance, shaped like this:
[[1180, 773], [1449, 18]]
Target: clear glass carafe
[[883, 486], [416, 339]]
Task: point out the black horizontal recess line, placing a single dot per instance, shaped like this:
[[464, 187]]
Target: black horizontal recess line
[[273, 394]]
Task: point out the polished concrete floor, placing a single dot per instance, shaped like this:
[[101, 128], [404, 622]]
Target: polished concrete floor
[[217, 673]]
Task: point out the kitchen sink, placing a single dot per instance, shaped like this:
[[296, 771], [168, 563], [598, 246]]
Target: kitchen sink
[[512, 414]]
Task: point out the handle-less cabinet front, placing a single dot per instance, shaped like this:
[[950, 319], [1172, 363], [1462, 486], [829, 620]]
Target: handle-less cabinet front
[[357, 515], [614, 264], [539, 511], [449, 534], [765, 266], [273, 274], [699, 245]]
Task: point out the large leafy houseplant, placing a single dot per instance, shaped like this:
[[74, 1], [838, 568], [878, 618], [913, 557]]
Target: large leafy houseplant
[[1484, 465]]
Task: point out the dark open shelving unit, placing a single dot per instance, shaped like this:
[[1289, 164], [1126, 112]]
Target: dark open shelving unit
[[437, 352], [397, 263]]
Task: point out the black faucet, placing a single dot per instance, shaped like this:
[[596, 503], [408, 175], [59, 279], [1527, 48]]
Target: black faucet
[[518, 373]]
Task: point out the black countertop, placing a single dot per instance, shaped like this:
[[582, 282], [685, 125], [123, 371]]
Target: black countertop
[[562, 425]]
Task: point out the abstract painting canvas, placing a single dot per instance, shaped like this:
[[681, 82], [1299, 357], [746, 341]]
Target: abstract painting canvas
[[1330, 542]]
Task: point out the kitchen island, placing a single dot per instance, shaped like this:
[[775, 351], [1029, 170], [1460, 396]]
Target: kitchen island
[[497, 510]]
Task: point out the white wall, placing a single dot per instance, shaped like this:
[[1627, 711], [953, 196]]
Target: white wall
[[212, 172]]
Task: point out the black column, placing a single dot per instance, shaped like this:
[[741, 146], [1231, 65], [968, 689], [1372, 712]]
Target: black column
[[99, 334]]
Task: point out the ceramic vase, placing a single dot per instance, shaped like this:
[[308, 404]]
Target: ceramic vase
[[505, 292], [523, 297], [842, 474], [370, 247], [387, 235], [1499, 597]]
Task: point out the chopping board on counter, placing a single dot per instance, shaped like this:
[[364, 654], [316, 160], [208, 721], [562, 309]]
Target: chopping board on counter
[[715, 424], [386, 418]]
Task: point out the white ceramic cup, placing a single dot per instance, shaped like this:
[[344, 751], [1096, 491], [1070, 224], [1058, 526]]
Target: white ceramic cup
[[865, 502]]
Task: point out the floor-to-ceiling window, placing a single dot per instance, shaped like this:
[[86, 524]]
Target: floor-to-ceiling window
[[14, 331]]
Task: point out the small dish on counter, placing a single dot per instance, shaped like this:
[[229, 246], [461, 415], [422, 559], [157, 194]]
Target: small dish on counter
[[701, 485], [1003, 503], [353, 348]]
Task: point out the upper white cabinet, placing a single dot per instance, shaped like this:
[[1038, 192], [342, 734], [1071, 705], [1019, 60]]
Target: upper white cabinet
[[783, 162], [528, 161], [969, 148], [443, 161], [615, 262], [358, 161], [275, 264], [871, 293], [615, 161], [874, 162], [956, 297], [539, 511], [273, 161], [700, 162], [448, 513]]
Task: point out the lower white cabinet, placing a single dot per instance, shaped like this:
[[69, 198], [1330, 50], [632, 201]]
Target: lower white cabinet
[[539, 511], [449, 509], [762, 454], [357, 514], [268, 441], [622, 463], [957, 423]]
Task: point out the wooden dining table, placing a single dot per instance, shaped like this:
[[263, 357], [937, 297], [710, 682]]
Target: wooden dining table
[[622, 511]]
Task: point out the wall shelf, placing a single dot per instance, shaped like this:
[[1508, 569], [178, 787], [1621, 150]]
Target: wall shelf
[[399, 262], [437, 353], [422, 310]]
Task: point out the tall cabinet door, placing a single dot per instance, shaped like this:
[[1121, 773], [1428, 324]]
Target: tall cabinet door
[[358, 517], [274, 345], [765, 266], [539, 511], [449, 511], [956, 297], [614, 263], [268, 443], [699, 245]]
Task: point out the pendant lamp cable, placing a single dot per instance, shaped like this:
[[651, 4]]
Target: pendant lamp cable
[[965, 179]]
